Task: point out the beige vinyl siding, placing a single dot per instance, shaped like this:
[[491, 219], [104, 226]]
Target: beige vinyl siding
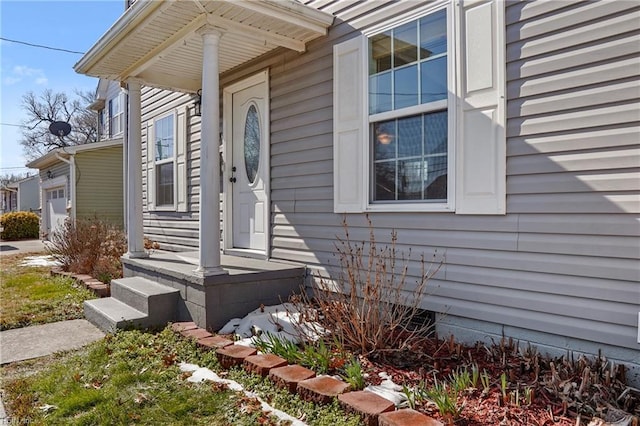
[[99, 184], [564, 259]]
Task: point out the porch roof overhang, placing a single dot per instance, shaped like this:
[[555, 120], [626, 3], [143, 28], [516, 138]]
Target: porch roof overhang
[[156, 43]]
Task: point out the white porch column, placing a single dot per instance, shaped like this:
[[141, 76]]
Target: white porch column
[[209, 232], [135, 234]]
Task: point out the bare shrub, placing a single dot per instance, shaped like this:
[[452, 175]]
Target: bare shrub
[[89, 246], [369, 308]]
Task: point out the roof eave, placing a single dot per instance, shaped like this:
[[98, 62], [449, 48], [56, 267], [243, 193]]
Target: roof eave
[[136, 12]]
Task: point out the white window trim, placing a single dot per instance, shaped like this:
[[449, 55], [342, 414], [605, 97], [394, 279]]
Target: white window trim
[[173, 159], [119, 115], [449, 104], [477, 117]]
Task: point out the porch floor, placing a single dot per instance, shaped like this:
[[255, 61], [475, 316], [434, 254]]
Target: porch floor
[[183, 265]]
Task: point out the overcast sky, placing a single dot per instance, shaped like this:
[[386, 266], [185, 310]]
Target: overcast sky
[[70, 25]]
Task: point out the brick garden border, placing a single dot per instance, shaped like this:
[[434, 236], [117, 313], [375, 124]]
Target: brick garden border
[[98, 287], [373, 409]]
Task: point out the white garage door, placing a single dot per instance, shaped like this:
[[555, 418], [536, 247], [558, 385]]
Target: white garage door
[[56, 208]]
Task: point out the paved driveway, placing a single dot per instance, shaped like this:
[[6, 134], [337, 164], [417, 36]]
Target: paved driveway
[[22, 246]]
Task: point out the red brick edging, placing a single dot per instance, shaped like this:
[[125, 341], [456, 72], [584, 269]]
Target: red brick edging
[[373, 409], [98, 287]]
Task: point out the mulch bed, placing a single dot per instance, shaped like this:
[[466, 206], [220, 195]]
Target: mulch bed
[[563, 391]]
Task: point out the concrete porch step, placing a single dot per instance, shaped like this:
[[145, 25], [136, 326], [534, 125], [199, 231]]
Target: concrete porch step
[[145, 295], [109, 314], [134, 302]]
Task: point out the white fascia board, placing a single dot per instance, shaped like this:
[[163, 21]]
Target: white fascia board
[[120, 29]]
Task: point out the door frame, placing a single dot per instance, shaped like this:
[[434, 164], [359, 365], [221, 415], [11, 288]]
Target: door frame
[[226, 149]]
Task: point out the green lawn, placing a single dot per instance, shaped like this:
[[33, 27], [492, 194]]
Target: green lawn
[[133, 377], [29, 295]]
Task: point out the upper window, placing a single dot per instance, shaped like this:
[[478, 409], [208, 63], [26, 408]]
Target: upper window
[[408, 111], [164, 148], [116, 115]]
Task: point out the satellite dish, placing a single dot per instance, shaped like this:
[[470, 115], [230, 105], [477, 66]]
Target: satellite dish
[[60, 128]]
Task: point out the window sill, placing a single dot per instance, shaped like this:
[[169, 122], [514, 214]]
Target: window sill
[[164, 209], [410, 208]]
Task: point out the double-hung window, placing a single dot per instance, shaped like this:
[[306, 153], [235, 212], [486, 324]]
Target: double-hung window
[[164, 149], [116, 115], [419, 112], [408, 111]]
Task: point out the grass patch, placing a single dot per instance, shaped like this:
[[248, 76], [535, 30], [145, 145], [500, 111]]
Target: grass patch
[[29, 295], [133, 377]]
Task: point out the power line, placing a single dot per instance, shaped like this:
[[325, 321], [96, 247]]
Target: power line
[[13, 168], [11, 124], [42, 46]]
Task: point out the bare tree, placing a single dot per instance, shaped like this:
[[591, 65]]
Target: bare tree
[[43, 109], [7, 178]]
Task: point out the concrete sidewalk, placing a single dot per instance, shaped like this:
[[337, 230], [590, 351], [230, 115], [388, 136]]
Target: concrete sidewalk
[[41, 340]]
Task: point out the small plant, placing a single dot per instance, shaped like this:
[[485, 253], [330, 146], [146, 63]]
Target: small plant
[[365, 304], [460, 380], [19, 225], [528, 395], [410, 395], [353, 374], [271, 343], [503, 387], [445, 397], [89, 246], [486, 383], [317, 356], [475, 374]]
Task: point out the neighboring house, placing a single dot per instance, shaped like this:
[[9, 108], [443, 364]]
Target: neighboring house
[[8, 198], [502, 134], [22, 195], [110, 106], [28, 198], [80, 181]]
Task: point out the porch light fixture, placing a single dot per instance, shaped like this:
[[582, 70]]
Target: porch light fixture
[[197, 104], [49, 174]]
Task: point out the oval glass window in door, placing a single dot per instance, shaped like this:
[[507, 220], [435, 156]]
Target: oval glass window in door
[[252, 143]]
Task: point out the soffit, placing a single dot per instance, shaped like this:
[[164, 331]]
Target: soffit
[[157, 43]]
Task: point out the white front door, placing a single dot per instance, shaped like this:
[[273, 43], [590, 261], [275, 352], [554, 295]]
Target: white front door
[[56, 209], [247, 164]]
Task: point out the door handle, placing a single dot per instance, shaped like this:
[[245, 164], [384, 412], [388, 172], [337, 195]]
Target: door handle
[[232, 179]]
